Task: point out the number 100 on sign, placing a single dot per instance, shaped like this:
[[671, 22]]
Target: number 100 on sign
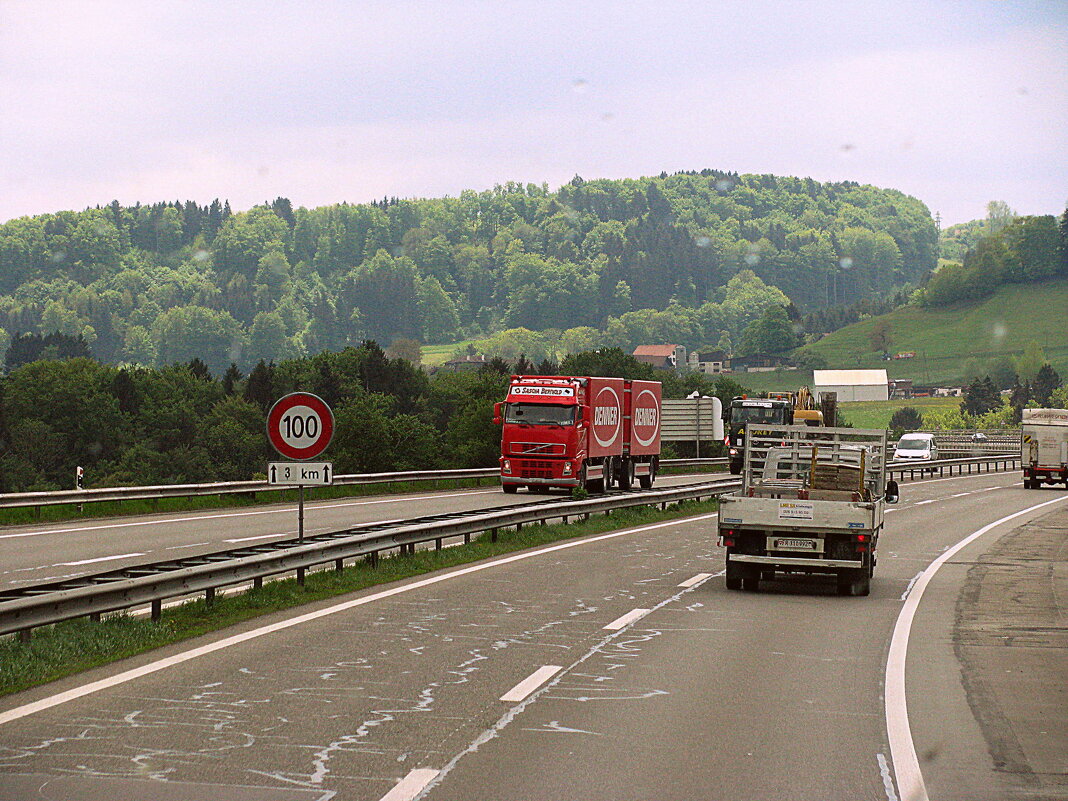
[[300, 425]]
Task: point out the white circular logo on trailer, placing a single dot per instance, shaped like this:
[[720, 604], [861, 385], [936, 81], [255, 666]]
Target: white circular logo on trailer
[[300, 425], [607, 417], [645, 417]]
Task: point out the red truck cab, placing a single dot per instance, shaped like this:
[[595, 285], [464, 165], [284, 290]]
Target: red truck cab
[[578, 431]]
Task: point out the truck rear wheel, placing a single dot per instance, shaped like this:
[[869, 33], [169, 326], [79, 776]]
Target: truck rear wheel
[[626, 475], [751, 580], [854, 582], [511, 489], [734, 576]]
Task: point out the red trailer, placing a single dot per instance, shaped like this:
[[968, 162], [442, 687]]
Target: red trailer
[[571, 431]]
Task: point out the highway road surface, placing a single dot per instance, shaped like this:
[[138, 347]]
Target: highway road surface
[[615, 667], [36, 553]]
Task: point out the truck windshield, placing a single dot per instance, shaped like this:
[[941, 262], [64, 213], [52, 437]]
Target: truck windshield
[[540, 414], [740, 415]]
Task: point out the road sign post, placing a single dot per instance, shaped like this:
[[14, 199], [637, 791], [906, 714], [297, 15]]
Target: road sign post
[[299, 426]]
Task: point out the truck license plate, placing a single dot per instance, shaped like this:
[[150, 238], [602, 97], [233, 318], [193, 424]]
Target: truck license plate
[[794, 544]]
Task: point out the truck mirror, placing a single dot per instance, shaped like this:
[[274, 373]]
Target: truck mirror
[[497, 414], [892, 494]]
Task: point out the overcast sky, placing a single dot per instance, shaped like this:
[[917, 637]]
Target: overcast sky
[[957, 103]]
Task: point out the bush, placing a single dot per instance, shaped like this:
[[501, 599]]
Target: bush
[[907, 418]]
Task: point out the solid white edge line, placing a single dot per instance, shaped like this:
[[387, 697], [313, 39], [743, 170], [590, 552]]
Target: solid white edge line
[[695, 580], [910, 784], [236, 639], [411, 785], [626, 619], [531, 683]]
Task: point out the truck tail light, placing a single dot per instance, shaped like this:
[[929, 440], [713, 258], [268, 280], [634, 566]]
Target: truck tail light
[[727, 538]]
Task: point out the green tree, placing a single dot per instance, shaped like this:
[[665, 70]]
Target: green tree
[[187, 332], [981, 397], [1046, 381], [772, 333]]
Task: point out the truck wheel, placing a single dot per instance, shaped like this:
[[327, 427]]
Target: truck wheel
[[511, 489], [646, 481], [626, 475], [751, 580], [734, 576], [854, 582], [735, 468]]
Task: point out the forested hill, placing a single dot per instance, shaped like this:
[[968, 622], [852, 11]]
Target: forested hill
[[173, 281]]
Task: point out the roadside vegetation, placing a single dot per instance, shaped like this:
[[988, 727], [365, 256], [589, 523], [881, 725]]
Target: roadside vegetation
[[79, 645]]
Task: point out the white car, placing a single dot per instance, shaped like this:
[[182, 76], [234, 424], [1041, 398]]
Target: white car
[[916, 447]]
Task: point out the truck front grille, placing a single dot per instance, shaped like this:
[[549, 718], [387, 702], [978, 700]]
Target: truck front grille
[[532, 469]]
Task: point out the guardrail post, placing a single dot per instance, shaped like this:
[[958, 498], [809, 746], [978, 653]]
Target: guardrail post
[[157, 610], [209, 597], [493, 535], [373, 559], [300, 576], [257, 583], [339, 564], [467, 539], [94, 617], [437, 544], [25, 635]]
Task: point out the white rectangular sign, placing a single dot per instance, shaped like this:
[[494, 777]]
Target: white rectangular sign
[[556, 392], [795, 510], [317, 473]]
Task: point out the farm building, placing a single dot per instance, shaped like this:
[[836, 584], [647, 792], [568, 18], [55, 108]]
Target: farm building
[[852, 385]]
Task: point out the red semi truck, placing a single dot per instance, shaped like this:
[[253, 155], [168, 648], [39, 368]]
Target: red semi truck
[[572, 431]]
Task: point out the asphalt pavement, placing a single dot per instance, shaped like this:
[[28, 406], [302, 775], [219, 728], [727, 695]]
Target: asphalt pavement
[[615, 667]]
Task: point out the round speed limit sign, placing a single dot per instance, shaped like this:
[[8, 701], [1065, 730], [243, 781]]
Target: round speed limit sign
[[300, 425]]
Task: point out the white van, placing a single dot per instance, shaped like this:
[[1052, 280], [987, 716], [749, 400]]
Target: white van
[[916, 447]]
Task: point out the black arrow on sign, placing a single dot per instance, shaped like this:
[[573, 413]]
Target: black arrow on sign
[[326, 473], [273, 471]]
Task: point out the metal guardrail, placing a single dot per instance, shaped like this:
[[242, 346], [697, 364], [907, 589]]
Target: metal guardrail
[[152, 584], [32, 499], [157, 584], [991, 463]]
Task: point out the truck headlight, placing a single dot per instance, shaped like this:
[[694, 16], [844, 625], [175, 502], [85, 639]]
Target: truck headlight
[[567, 468], [506, 466]]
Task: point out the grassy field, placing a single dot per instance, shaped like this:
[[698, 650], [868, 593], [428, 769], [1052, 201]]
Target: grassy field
[[948, 341], [435, 355], [877, 414]]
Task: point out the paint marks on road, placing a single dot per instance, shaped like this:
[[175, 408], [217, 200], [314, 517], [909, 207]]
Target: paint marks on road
[[695, 580], [626, 620], [923, 503], [908, 589], [888, 781], [531, 683], [411, 785], [98, 559]]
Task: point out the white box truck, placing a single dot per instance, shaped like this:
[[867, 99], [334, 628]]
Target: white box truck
[[1044, 447]]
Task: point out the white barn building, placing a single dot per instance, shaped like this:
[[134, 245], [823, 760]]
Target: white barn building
[[852, 385]]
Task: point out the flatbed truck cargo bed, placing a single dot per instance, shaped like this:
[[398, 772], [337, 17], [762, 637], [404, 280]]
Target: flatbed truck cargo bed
[[812, 501]]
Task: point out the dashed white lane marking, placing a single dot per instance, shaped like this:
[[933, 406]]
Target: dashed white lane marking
[[260, 537], [531, 683], [190, 545], [411, 785], [285, 510], [960, 495], [921, 503], [626, 619], [695, 580], [185, 656], [98, 559], [910, 782]]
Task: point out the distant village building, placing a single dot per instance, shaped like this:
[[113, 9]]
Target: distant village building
[[901, 388], [465, 364], [757, 363], [852, 385], [709, 362], [662, 357]]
